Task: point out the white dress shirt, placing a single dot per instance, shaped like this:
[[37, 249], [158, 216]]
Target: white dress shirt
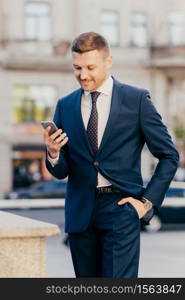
[[103, 107]]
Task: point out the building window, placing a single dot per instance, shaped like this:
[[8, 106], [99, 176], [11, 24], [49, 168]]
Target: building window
[[176, 22], [33, 103], [37, 21], [138, 29], [109, 24]]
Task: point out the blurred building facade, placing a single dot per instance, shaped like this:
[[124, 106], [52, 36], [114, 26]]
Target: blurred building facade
[[148, 46]]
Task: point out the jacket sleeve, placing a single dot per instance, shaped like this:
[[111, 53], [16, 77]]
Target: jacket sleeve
[[160, 144], [60, 170]]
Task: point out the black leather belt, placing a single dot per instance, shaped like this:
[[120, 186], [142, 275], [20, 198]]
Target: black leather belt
[[107, 190]]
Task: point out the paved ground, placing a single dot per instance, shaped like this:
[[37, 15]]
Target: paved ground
[[162, 253]]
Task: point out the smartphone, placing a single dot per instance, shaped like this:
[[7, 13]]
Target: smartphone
[[53, 126]]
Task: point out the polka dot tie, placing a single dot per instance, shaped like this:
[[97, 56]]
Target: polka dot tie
[[92, 127]]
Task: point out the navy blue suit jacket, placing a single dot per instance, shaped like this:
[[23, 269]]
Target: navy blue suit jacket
[[133, 121]]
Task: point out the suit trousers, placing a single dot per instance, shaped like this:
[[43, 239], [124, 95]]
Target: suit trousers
[[110, 245]]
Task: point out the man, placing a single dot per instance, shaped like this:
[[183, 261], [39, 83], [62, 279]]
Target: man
[[103, 127]]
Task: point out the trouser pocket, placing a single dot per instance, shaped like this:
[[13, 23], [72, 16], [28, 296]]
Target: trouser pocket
[[131, 209]]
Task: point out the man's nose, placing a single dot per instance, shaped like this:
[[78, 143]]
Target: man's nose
[[83, 75]]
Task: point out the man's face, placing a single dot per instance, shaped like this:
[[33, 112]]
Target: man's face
[[91, 68]]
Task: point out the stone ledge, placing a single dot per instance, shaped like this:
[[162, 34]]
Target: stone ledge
[[23, 246], [12, 225]]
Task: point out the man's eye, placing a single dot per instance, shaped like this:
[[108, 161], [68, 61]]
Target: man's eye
[[91, 68]]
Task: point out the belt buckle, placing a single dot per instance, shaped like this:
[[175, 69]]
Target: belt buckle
[[104, 190], [100, 190], [109, 190]]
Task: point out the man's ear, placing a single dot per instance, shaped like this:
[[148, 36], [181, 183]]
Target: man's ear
[[109, 61]]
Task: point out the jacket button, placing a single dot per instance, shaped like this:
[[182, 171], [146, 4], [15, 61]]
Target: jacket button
[[96, 163]]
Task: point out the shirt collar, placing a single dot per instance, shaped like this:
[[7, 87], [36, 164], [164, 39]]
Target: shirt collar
[[105, 88]]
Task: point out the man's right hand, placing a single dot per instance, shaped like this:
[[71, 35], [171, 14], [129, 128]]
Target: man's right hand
[[55, 141]]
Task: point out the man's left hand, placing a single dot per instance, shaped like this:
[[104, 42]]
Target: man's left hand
[[138, 205]]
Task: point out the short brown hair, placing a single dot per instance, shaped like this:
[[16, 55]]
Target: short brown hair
[[89, 41]]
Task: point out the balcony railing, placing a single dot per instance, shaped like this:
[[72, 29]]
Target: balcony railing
[[31, 54]]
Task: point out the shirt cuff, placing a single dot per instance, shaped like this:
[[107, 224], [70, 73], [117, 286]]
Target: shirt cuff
[[53, 161]]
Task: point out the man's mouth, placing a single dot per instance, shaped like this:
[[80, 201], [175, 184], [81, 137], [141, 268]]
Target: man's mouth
[[84, 82]]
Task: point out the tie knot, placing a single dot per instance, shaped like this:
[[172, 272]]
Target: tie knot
[[94, 96]]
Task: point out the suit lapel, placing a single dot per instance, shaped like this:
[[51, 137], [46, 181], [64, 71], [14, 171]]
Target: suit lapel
[[114, 110]]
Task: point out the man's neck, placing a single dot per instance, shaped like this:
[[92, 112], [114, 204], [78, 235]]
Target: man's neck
[[103, 81]]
